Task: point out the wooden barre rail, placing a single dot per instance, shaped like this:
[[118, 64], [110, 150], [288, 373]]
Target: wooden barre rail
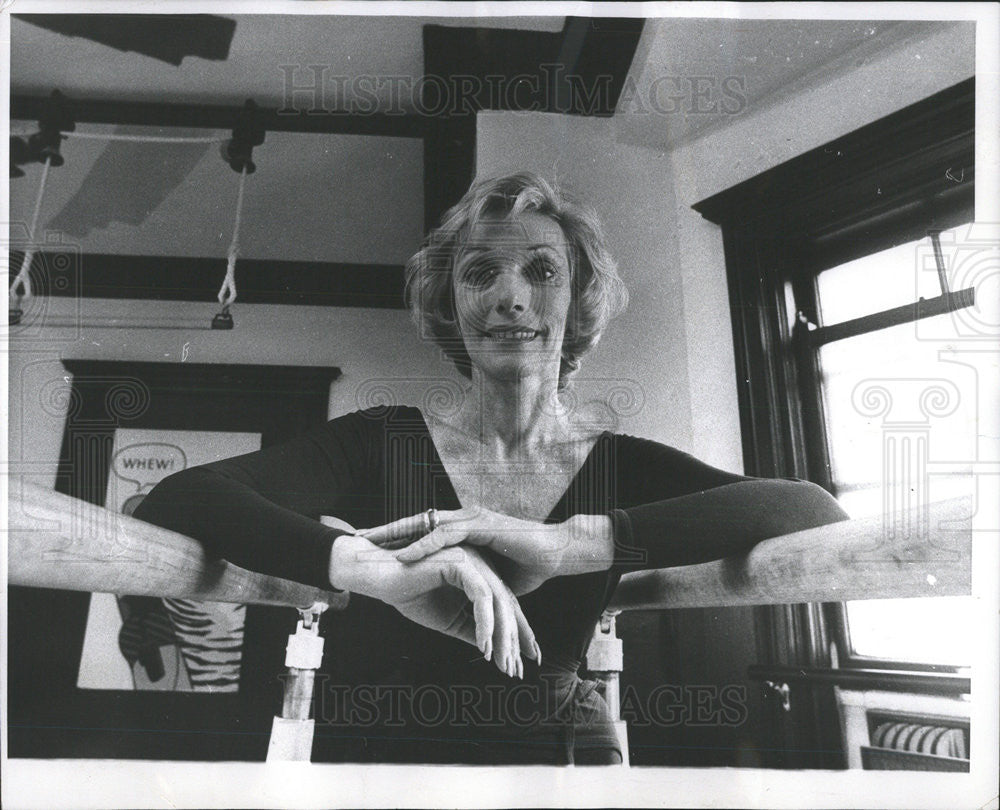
[[61, 542], [853, 559], [56, 541]]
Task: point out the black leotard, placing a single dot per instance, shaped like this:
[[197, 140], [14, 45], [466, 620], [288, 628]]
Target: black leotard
[[400, 692]]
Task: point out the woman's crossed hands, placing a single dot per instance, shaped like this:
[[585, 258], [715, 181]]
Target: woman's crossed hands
[[437, 592], [527, 552]]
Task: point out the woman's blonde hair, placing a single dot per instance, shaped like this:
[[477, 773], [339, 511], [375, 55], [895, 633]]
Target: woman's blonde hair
[[598, 293]]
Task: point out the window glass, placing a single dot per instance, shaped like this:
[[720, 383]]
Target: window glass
[[928, 631], [890, 278], [888, 387], [901, 424]]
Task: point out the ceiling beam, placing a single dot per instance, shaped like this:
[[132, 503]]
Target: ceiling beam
[[222, 116], [182, 278]]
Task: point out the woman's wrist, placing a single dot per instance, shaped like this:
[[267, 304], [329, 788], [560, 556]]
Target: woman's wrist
[[343, 561], [589, 544]]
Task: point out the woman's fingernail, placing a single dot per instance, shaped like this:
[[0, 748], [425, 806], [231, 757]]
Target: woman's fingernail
[[538, 654], [489, 649]]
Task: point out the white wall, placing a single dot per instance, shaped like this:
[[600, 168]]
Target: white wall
[[313, 197], [374, 348]]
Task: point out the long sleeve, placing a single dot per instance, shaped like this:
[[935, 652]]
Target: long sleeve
[[260, 510], [676, 510]]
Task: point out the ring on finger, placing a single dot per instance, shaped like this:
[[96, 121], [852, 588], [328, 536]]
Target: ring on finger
[[431, 520]]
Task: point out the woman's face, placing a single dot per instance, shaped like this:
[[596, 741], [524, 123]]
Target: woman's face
[[513, 291]]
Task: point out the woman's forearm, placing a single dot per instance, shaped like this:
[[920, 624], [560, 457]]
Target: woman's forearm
[[719, 522], [704, 526], [699, 527], [587, 545], [235, 523]]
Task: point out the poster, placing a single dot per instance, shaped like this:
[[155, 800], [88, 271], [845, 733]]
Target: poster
[[144, 643]]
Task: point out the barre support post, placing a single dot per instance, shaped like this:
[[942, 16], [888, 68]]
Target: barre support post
[[292, 731]]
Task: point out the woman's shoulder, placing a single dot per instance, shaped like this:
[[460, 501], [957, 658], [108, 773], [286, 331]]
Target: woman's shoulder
[[364, 433], [391, 412], [650, 466], [628, 444], [646, 457], [377, 419], [381, 414]]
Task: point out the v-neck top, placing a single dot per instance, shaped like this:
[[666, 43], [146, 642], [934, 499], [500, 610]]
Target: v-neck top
[[370, 467], [438, 462]]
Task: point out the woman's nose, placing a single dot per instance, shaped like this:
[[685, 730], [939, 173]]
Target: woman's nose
[[512, 294]]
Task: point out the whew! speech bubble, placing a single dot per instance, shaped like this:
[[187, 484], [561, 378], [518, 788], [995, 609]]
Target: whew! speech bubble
[[145, 464]]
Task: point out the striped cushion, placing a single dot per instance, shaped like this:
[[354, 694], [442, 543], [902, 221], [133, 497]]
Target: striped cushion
[[937, 740]]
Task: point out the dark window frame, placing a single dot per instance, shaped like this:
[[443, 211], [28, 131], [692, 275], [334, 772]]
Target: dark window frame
[[887, 183]]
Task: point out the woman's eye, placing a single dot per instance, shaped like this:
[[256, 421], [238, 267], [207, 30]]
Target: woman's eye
[[478, 274], [541, 270], [481, 271]]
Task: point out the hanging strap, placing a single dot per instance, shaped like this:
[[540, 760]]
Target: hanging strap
[[119, 136], [23, 278], [227, 292], [116, 136]]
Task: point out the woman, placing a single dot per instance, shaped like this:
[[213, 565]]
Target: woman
[[509, 493]]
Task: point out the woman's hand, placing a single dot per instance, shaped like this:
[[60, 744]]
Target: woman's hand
[[437, 593], [531, 552]]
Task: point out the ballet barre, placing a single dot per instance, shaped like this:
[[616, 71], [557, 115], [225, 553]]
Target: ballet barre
[[56, 541], [922, 551]]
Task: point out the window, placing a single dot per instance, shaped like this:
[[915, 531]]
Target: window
[[827, 257], [932, 632], [866, 354]]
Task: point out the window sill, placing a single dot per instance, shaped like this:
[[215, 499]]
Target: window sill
[[932, 683]]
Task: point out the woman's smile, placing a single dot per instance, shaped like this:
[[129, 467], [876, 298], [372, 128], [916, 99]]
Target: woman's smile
[[516, 335]]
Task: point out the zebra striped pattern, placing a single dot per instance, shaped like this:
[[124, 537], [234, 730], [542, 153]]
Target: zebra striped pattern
[[210, 637]]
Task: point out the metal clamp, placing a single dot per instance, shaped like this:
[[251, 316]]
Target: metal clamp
[[783, 691], [311, 614]]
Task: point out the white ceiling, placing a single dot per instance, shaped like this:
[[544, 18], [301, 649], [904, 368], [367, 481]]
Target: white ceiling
[[761, 59], [345, 46], [765, 55], [346, 198]]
